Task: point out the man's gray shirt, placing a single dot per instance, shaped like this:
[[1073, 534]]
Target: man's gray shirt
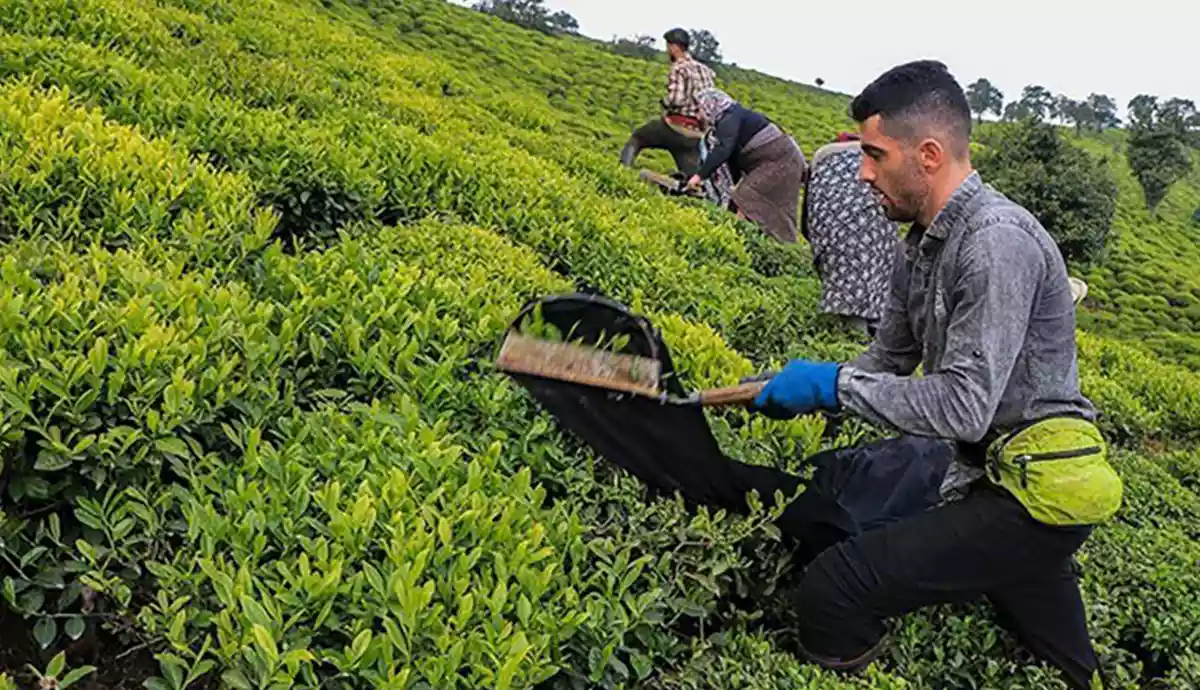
[[980, 300]]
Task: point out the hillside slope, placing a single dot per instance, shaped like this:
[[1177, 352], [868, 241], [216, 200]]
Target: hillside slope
[[257, 257], [1148, 288]]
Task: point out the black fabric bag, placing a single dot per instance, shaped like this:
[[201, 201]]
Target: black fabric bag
[[671, 448]]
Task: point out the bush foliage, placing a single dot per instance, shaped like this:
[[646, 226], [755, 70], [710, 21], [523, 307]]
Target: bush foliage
[[258, 254], [1072, 193]]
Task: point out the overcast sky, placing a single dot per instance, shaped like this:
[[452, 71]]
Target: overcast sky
[[1068, 46]]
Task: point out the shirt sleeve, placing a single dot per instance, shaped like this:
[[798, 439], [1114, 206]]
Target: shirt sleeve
[[895, 349], [1000, 269], [727, 134]]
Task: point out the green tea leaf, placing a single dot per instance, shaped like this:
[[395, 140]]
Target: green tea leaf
[[255, 612], [57, 664], [32, 555], [524, 609], [504, 678], [359, 646], [44, 631], [642, 665], [172, 446], [175, 631], [236, 679], [48, 461], [32, 600], [98, 356], [75, 675], [265, 642], [74, 627], [465, 606]]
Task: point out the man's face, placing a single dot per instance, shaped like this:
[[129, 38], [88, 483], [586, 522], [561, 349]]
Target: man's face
[[894, 169], [674, 51]]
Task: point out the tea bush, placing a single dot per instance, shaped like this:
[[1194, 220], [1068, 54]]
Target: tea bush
[[258, 258], [1068, 190], [1147, 290]]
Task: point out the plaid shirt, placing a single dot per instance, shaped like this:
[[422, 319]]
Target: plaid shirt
[[688, 77]]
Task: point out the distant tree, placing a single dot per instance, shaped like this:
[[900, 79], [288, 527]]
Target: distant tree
[[1038, 102], [531, 14], [1077, 113], [638, 46], [1016, 111], [1159, 158], [1179, 115], [1142, 110], [820, 81], [1070, 191], [1157, 149], [1104, 112], [1061, 109], [705, 47], [984, 98], [562, 22]]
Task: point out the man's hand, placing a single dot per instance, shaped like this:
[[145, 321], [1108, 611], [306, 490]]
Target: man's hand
[[801, 387], [693, 182]]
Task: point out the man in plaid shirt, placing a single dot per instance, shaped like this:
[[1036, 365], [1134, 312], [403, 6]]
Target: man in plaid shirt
[[679, 129]]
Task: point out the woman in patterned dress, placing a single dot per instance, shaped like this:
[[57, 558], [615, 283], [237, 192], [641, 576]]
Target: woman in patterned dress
[[853, 244]]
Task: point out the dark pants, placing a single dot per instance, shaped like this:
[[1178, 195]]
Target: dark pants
[[657, 134], [985, 545]]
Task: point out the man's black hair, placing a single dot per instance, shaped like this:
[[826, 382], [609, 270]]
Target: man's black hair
[[679, 37], [914, 97]]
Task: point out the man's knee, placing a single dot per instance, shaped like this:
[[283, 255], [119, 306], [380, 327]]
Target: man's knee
[[822, 594], [831, 603]]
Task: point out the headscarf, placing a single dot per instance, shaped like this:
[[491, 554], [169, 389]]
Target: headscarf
[[713, 104]]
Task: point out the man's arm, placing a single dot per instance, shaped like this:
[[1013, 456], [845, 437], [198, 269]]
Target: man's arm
[[999, 273], [894, 349]]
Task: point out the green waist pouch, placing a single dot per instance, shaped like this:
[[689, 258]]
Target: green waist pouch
[[1058, 469]]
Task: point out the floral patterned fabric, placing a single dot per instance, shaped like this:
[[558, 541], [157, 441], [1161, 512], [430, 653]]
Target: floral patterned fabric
[[853, 244]]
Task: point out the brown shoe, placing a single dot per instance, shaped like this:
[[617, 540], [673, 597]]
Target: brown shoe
[[848, 666]]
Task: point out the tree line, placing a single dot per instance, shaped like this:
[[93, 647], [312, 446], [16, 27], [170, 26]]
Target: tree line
[[531, 14], [1097, 112], [1160, 132]]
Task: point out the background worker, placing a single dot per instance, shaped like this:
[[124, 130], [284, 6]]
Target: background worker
[[853, 243], [766, 165], [678, 130]]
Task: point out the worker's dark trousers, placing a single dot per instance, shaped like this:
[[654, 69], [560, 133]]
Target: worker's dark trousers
[[985, 545], [657, 134]]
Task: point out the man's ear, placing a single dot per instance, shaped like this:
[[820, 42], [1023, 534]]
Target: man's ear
[[932, 155]]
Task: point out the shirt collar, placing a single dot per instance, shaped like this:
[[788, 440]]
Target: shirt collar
[[955, 208]]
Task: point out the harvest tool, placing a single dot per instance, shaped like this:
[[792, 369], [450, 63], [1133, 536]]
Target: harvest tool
[[669, 184], [619, 372]]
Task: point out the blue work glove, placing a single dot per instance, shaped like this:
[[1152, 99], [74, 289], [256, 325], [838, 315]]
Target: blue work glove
[[801, 387]]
